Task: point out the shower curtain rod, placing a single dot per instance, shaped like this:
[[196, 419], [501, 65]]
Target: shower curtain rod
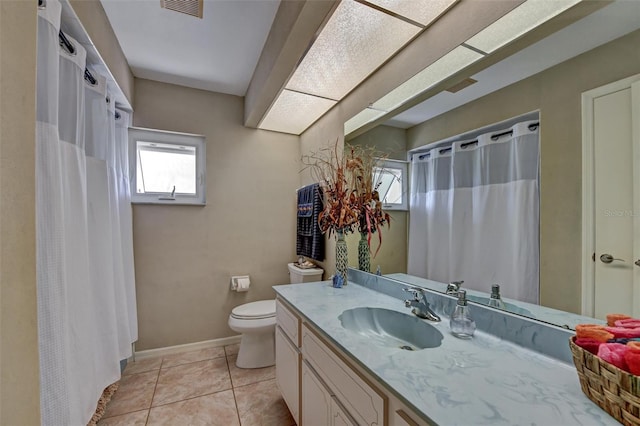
[[495, 137], [69, 47]]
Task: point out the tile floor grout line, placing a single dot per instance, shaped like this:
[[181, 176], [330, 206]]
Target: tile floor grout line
[[233, 390], [154, 393], [189, 397], [253, 383], [113, 396], [191, 362], [192, 396], [235, 384]]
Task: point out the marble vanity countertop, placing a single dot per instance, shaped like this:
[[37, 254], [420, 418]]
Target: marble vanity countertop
[[542, 313], [480, 381]]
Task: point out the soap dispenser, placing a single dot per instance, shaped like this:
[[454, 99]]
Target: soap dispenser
[[461, 323], [496, 301]]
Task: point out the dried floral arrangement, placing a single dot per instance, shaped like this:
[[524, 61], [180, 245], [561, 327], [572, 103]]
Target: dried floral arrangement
[[328, 167], [352, 202], [371, 217]]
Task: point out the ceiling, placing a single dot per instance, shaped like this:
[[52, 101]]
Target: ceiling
[[607, 24], [217, 53]]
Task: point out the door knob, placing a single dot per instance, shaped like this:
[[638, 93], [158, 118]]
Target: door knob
[[607, 258], [637, 262]]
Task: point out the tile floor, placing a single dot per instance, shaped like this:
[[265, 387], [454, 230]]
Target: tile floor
[[202, 387]]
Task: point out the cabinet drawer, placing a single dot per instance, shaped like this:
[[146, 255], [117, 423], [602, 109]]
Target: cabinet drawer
[[364, 403], [288, 321]]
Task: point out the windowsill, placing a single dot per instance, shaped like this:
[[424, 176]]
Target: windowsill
[[395, 208], [177, 202]]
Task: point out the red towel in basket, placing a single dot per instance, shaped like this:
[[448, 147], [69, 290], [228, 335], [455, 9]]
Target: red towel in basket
[[628, 323], [622, 332], [588, 344], [614, 353], [632, 358], [634, 346]]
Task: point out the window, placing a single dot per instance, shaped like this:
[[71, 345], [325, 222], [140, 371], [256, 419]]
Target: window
[[390, 177], [167, 167]]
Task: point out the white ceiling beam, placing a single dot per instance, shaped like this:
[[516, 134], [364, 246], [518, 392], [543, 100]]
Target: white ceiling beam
[[294, 28]]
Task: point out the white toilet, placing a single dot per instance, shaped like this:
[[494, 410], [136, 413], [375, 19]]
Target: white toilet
[[256, 321]]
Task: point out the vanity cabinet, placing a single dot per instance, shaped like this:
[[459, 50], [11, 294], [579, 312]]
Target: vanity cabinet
[[321, 386]]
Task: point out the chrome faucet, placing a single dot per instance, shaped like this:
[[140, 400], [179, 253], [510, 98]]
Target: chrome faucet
[[453, 287], [420, 305]]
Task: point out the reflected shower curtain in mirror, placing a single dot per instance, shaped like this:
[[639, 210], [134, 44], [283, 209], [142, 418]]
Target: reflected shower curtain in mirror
[[474, 213], [86, 297]]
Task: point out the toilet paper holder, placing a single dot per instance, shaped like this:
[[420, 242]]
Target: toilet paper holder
[[237, 280]]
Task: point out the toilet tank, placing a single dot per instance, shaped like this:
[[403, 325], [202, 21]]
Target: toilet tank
[[300, 275]]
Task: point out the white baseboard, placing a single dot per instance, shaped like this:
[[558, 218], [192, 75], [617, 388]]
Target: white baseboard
[[215, 343]]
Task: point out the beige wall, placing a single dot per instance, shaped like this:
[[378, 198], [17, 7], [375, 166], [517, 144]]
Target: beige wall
[[386, 139], [557, 94], [186, 255], [392, 257], [19, 371]]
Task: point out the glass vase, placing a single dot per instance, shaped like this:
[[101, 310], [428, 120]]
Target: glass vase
[[364, 254], [341, 257]]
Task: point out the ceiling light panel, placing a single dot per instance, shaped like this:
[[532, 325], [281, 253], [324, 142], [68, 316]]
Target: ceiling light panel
[[356, 40], [293, 112], [519, 21], [423, 12], [362, 118], [449, 64]]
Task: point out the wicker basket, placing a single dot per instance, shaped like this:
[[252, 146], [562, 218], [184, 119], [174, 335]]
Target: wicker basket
[[615, 391]]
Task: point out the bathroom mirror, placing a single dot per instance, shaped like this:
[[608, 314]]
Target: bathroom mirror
[[548, 77]]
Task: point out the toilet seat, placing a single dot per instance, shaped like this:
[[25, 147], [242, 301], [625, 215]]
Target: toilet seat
[[255, 310]]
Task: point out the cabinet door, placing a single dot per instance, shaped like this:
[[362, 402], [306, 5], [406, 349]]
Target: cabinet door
[[363, 402], [287, 373], [316, 401], [338, 416]]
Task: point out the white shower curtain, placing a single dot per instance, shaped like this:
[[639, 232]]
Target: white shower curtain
[[474, 213], [86, 295]]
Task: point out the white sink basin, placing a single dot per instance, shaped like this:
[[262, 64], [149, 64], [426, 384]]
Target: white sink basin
[[388, 328]]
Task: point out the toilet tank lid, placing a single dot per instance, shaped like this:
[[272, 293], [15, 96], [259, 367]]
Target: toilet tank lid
[[259, 309], [307, 271]]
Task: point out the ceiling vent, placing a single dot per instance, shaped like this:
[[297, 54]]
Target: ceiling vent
[[459, 86], [189, 7]]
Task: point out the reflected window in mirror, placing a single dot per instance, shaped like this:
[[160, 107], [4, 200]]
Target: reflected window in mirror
[[390, 178]]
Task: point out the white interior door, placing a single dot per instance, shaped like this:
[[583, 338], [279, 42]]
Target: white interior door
[[615, 200]]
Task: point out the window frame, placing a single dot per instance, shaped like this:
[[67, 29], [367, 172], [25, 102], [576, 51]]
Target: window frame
[[403, 166], [140, 134]]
